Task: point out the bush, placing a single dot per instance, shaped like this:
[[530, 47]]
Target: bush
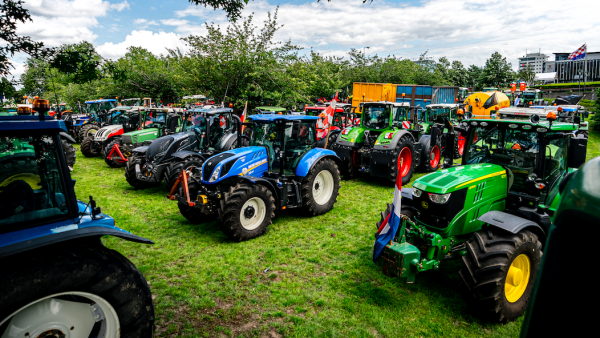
[[595, 124], [570, 85]]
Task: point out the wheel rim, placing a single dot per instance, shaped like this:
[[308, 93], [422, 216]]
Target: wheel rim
[[92, 132], [253, 213], [54, 316], [517, 278], [461, 145], [323, 187], [434, 157], [404, 161]]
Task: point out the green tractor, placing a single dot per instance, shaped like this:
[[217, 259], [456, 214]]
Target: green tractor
[[269, 110], [493, 212], [390, 141], [454, 114], [154, 122]]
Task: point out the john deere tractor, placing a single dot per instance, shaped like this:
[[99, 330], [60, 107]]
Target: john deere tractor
[[58, 279], [389, 142], [210, 131], [154, 122], [493, 212], [243, 188]]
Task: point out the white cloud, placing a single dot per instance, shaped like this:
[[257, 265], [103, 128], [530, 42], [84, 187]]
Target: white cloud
[[143, 23], [153, 42]]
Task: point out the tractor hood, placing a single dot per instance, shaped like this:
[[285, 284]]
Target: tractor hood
[[143, 135], [351, 136], [248, 161], [107, 132], [456, 178]]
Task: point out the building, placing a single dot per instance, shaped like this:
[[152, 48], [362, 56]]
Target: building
[[533, 60], [573, 71]]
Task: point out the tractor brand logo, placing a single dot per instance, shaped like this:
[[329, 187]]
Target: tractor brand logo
[[424, 205], [389, 135], [244, 171], [249, 169], [345, 131]]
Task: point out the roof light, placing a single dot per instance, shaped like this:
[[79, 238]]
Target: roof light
[[551, 116], [473, 123], [526, 127], [516, 146], [542, 130], [559, 109], [484, 124], [460, 112], [512, 125], [497, 108]]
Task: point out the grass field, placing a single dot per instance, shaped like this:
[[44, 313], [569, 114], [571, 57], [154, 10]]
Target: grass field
[[306, 277]]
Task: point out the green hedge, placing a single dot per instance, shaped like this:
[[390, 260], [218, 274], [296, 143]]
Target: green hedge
[[568, 85]]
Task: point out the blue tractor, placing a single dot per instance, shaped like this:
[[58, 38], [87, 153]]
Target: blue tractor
[[244, 187], [58, 280]]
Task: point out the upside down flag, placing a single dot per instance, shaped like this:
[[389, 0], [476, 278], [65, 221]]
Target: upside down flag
[[389, 227], [579, 53]]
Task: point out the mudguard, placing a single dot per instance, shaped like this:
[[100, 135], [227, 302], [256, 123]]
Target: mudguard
[[227, 141], [512, 223], [312, 157], [394, 141], [140, 150], [67, 137], [266, 183], [181, 155]]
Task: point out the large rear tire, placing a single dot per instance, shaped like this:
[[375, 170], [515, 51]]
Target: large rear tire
[[88, 130], [74, 276], [499, 272], [248, 211], [177, 167], [131, 178], [459, 145], [348, 168], [89, 148], [115, 161], [70, 152], [320, 187], [403, 161], [431, 157]]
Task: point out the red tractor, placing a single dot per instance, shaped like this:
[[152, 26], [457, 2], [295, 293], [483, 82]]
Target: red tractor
[[342, 118]]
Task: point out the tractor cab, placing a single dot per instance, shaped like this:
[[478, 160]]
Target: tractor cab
[[98, 109], [566, 114], [269, 110], [531, 97], [446, 111], [132, 102]]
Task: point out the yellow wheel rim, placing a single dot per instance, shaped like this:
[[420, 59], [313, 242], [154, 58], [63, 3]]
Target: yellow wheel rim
[[517, 278], [32, 179]]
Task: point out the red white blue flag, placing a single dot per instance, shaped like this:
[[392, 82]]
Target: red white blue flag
[[579, 53], [389, 227]]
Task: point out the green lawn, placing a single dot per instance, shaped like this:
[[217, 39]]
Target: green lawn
[[320, 280]]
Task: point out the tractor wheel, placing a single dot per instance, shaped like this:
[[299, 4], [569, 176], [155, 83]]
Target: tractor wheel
[[348, 169], [331, 140], [459, 145], [115, 161], [402, 163], [177, 167], [73, 289], [499, 271], [247, 212], [88, 130], [430, 156], [320, 188], [193, 214], [70, 153], [131, 177], [89, 148]]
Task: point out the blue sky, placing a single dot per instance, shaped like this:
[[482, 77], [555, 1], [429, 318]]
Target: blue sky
[[465, 30]]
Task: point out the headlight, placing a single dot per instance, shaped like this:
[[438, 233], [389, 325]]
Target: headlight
[[215, 174], [440, 199], [417, 192]]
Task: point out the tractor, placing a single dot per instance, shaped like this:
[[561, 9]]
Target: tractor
[[154, 122], [58, 279], [243, 188], [342, 118], [565, 114], [388, 142], [120, 120], [530, 97], [269, 110], [98, 113], [452, 112], [493, 212], [211, 131]]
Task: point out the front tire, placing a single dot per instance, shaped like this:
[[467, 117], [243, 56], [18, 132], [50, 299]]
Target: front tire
[[77, 275], [88, 130], [248, 211], [320, 188], [115, 161], [499, 272], [177, 167], [89, 148], [130, 174]]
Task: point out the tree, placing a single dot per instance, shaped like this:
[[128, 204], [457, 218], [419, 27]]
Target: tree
[[35, 78], [526, 74], [8, 91], [80, 61], [474, 77], [497, 71], [459, 75], [12, 13]]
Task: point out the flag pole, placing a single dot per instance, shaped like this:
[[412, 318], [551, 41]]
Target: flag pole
[[584, 69]]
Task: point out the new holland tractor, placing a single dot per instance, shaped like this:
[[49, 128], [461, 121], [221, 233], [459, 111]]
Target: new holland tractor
[[98, 113], [154, 122], [58, 279], [210, 131], [389, 142], [243, 188], [493, 212], [119, 120]]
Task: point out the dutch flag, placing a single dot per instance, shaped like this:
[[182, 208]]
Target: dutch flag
[[390, 225]]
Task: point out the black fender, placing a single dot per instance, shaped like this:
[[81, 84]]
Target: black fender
[[394, 142], [140, 150], [226, 142], [67, 236], [513, 224], [268, 184], [67, 137], [182, 155]]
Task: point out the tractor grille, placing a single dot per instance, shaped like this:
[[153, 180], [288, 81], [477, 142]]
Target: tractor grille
[[126, 139], [159, 147], [212, 163], [439, 215]]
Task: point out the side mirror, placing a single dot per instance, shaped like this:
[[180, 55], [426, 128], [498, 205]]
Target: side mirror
[[577, 152]]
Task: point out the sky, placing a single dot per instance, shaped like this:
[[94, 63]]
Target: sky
[[468, 31]]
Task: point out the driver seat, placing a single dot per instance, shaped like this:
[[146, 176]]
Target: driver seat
[[172, 124]]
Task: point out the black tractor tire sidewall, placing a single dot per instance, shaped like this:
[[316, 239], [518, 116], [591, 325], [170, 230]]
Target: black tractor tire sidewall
[[230, 213], [348, 169], [177, 167], [83, 131], [85, 266], [113, 163], [331, 140], [309, 205], [485, 267], [87, 148], [404, 142], [426, 156], [70, 152], [130, 175]]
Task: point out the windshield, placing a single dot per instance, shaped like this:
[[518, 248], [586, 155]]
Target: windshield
[[31, 187], [376, 117], [528, 95], [399, 114]]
